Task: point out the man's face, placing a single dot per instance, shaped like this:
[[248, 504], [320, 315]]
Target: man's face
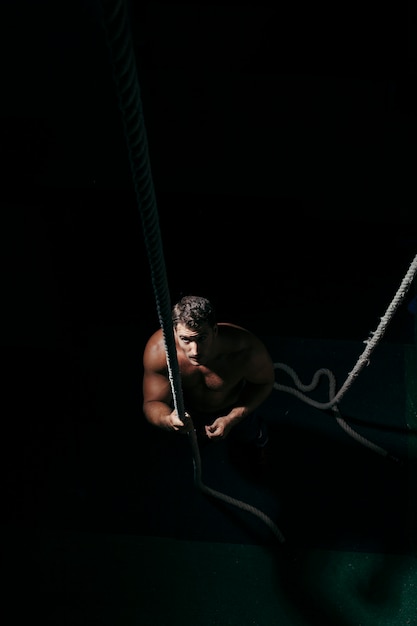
[[196, 345]]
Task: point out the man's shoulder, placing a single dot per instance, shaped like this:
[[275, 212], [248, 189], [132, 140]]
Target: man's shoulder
[[155, 339], [155, 347], [237, 336], [234, 330]]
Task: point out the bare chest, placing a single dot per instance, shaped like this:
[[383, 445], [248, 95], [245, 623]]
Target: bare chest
[[206, 379], [208, 389], [215, 381]]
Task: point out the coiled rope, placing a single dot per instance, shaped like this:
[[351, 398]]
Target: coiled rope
[[364, 359], [122, 60]]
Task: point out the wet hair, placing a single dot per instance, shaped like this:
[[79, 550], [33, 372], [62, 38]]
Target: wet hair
[[193, 312]]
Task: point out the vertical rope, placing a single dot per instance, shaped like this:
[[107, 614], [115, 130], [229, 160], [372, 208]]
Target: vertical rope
[[123, 63]]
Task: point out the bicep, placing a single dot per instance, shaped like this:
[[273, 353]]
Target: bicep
[[156, 387], [261, 370]]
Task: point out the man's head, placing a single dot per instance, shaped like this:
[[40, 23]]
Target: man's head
[[195, 327], [193, 312]]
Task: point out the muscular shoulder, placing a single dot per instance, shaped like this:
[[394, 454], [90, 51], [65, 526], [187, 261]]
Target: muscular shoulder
[[154, 355], [242, 344], [248, 353], [236, 337]]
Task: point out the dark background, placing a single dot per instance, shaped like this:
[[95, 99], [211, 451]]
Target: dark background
[[282, 152], [282, 143]]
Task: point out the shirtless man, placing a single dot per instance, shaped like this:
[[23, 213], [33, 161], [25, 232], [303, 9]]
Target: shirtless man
[[226, 374]]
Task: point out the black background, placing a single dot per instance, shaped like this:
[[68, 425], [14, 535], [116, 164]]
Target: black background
[[282, 154], [282, 151]]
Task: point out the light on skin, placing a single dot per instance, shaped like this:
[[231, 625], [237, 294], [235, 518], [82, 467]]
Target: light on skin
[[197, 346], [224, 368]]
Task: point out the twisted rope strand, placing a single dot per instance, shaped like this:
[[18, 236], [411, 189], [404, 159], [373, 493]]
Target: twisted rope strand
[[363, 360], [123, 64], [125, 77]]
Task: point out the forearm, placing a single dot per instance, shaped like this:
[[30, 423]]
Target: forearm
[[162, 415], [251, 397], [157, 413]]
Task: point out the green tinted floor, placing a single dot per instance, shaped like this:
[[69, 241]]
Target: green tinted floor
[[103, 523], [64, 578]]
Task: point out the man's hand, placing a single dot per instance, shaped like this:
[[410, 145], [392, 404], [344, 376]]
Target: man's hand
[[219, 429], [173, 422]]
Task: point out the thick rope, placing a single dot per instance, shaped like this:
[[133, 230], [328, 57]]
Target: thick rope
[[118, 36], [364, 359], [119, 41], [225, 498]]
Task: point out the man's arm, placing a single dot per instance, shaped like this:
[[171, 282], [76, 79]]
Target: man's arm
[[157, 393], [259, 373], [260, 379], [155, 398]]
